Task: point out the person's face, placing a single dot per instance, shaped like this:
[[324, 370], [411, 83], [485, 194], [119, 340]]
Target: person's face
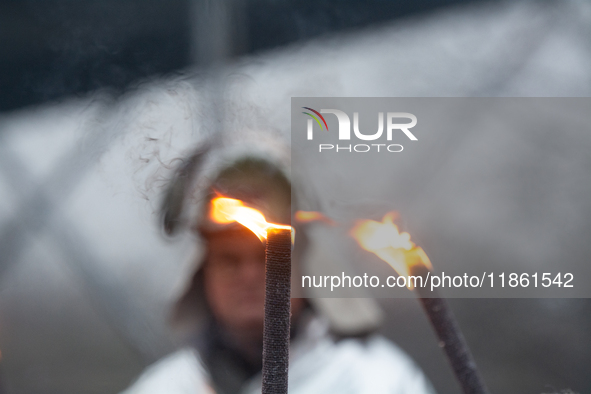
[[234, 279]]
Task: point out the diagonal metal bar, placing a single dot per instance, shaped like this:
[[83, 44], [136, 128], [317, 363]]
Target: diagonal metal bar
[[39, 198], [525, 42], [37, 212]]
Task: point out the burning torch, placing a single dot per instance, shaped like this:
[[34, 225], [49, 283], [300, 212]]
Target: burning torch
[[276, 328], [408, 259]]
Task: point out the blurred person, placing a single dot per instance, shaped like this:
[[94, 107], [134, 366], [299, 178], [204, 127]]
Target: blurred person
[[334, 347]]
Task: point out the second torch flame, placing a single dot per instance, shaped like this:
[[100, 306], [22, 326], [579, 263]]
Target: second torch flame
[[384, 240], [229, 210]]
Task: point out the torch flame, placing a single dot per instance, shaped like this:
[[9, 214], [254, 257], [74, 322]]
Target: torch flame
[[312, 216], [228, 210], [384, 240]]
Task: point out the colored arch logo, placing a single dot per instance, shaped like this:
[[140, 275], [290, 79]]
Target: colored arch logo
[[316, 118]]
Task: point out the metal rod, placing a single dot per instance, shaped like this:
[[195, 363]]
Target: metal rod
[[450, 336], [277, 311]]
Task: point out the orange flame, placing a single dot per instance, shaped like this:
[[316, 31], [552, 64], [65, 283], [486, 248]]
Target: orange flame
[[312, 216], [228, 210], [384, 240]]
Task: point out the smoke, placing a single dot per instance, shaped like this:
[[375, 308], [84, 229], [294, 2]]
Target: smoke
[[155, 126], [160, 123]]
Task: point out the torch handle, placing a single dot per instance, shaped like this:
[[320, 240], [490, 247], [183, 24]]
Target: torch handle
[[451, 338], [277, 311]]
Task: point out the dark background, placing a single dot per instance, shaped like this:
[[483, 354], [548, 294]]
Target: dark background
[[51, 49]]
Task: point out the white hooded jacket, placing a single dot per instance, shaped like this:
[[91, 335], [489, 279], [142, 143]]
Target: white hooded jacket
[[319, 364], [334, 350]]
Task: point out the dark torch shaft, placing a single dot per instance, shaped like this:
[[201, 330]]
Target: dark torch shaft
[[450, 336], [277, 311]]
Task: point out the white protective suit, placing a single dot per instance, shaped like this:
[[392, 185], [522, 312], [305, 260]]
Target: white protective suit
[[334, 350], [318, 365]]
